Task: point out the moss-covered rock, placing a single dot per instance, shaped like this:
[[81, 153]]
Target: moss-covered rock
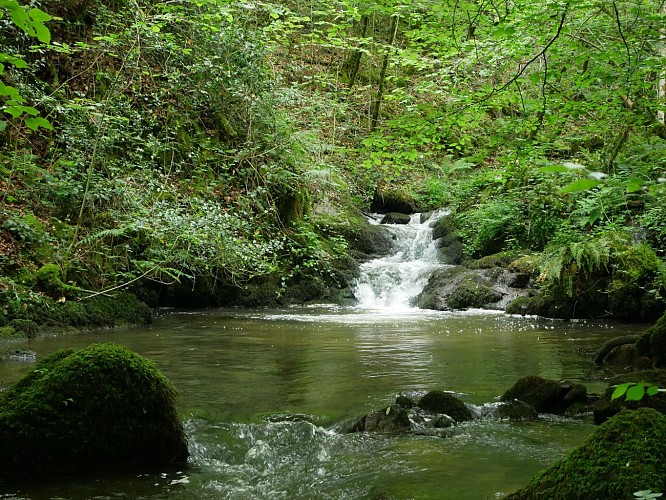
[[546, 396], [520, 305], [87, 409], [459, 288], [29, 319], [443, 402], [516, 410], [48, 279], [624, 455], [473, 291], [501, 259]]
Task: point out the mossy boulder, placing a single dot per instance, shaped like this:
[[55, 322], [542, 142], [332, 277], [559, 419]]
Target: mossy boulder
[[48, 279], [473, 291], [457, 287], [624, 455], [89, 409], [516, 410], [443, 402], [546, 396]]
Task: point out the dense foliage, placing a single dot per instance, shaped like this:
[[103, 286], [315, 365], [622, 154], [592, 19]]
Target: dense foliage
[[215, 143]]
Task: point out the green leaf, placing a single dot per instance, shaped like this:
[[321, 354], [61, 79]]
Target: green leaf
[[39, 15], [653, 390], [580, 185], [635, 393], [35, 122], [3, 125], [16, 61], [620, 390], [42, 33]]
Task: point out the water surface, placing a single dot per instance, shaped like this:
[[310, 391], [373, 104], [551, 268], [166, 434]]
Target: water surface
[[264, 392]]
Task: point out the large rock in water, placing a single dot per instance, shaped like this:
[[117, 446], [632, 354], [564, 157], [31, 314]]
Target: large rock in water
[[88, 409], [546, 396], [624, 455]]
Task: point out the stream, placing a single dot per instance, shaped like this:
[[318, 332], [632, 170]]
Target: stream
[[263, 394]]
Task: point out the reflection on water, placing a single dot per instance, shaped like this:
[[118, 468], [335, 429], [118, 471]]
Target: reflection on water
[[262, 391]]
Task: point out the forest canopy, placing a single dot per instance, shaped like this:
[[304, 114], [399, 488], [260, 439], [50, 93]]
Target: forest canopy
[[214, 144]]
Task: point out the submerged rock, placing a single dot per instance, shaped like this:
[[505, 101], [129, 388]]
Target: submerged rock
[[88, 409], [624, 455]]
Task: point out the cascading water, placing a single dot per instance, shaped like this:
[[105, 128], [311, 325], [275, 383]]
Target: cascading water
[[392, 282]]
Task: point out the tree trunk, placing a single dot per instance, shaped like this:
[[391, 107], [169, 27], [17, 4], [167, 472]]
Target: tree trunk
[[605, 349], [356, 58], [382, 75]]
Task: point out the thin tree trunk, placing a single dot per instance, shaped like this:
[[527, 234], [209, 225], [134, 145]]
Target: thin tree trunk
[[356, 60], [382, 75], [661, 85]]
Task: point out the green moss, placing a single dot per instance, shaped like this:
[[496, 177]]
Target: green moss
[[501, 259], [86, 409], [29, 318], [652, 343], [473, 291], [49, 280], [520, 305], [624, 455]]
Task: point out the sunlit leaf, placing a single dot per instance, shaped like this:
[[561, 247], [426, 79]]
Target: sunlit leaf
[[620, 390], [653, 390], [635, 393]]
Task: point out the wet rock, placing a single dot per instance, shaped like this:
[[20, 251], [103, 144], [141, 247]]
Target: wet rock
[[606, 408], [624, 455], [443, 402], [388, 200], [516, 410], [393, 419], [405, 402], [396, 218], [89, 409], [546, 396], [23, 355], [457, 288], [450, 249]]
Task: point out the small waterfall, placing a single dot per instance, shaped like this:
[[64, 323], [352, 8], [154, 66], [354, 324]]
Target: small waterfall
[[392, 282]]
